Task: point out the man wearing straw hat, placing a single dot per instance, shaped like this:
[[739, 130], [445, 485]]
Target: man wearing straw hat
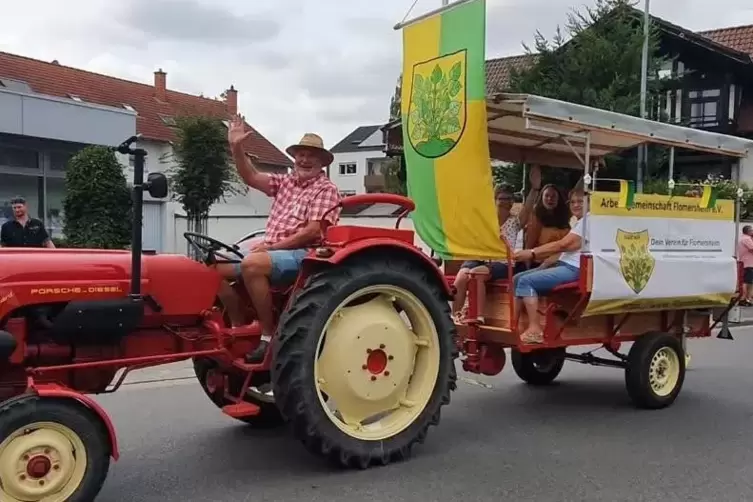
[[301, 199]]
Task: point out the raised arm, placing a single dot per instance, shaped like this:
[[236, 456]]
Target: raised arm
[[534, 177], [236, 135]]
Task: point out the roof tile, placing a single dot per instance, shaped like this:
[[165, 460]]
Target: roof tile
[[498, 71], [739, 38], [62, 81]]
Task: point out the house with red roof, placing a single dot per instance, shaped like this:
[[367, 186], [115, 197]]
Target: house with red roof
[[51, 111], [708, 84]]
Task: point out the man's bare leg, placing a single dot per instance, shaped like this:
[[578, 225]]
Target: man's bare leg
[[256, 269], [229, 298], [232, 304]]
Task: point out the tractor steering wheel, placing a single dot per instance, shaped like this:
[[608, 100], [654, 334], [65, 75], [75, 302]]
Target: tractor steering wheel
[[210, 247]]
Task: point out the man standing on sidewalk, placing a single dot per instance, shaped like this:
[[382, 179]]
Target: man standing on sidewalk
[[745, 255], [23, 231]]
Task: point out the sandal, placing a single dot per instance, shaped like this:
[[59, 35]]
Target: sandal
[[529, 337]]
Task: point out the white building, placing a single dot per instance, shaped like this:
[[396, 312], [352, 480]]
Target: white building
[[50, 112], [359, 160]]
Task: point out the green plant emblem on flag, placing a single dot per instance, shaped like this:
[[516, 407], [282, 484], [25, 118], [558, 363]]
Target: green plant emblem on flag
[[437, 109]]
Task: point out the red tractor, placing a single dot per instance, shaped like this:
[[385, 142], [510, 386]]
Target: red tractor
[[362, 362]]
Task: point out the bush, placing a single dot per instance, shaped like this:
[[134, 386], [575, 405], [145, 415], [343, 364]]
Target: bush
[[97, 204], [726, 189]]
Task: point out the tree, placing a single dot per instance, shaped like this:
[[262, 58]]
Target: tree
[[599, 66], [97, 203], [201, 173]]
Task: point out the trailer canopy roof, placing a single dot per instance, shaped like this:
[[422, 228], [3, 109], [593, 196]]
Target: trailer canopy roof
[[534, 129]]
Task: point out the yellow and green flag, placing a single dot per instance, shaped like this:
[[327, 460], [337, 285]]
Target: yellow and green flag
[[445, 138], [708, 197], [627, 194]]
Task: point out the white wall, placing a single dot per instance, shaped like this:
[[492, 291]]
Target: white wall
[[352, 182]]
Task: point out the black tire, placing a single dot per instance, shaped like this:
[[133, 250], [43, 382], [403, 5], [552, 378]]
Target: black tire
[[295, 351], [22, 411], [268, 417], [637, 371], [539, 367]]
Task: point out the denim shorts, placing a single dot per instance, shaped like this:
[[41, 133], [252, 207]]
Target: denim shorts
[[497, 269], [541, 281], [285, 264]]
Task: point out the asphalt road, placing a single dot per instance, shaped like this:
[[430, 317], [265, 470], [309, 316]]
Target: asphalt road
[[580, 440]]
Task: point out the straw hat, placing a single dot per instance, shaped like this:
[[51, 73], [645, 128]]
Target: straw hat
[[314, 142]]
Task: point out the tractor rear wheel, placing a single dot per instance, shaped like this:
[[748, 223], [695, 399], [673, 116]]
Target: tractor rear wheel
[[51, 450], [364, 360], [259, 392]]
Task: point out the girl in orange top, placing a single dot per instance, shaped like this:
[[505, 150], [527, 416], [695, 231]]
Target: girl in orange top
[[550, 220]]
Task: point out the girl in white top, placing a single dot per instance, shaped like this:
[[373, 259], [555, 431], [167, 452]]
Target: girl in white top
[[530, 284]]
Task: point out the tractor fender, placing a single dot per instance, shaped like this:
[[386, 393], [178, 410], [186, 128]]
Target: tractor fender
[[381, 245], [56, 391]]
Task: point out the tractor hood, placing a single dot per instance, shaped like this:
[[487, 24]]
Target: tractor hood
[[179, 284]]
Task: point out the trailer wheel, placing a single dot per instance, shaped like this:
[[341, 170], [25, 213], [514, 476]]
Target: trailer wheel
[[269, 416], [387, 364], [655, 370], [539, 367], [51, 450]]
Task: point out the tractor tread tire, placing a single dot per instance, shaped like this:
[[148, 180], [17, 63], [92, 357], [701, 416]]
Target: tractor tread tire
[[296, 344], [636, 370], [26, 409], [269, 415]]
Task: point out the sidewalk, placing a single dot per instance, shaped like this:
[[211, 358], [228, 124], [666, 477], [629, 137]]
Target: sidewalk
[[745, 317]]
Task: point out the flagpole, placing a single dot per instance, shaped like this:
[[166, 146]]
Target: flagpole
[[643, 150], [446, 5]]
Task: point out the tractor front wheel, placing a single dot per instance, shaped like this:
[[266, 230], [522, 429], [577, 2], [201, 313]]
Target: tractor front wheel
[[364, 360], [51, 450]]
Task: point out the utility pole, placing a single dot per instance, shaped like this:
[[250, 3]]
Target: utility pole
[[642, 150]]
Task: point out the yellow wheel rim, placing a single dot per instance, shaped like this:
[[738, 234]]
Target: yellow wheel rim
[[41, 462], [377, 366], [664, 371]]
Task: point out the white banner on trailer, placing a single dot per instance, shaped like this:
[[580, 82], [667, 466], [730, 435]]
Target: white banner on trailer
[[662, 253]]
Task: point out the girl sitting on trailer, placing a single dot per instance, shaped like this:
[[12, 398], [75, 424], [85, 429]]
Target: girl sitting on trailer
[[529, 285], [509, 228], [550, 220]]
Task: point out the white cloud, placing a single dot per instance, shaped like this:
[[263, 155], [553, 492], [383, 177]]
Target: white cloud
[[325, 66]]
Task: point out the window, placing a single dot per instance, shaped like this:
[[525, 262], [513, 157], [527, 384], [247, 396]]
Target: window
[[59, 160], [704, 107], [375, 166], [18, 158], [348, 169]]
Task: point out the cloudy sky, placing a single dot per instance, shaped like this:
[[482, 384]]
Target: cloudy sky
[[299, 65]]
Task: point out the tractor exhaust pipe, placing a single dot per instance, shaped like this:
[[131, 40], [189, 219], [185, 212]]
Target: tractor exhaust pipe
[[139, 155]]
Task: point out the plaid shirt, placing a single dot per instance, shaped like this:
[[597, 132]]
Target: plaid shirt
[[296, 203]]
